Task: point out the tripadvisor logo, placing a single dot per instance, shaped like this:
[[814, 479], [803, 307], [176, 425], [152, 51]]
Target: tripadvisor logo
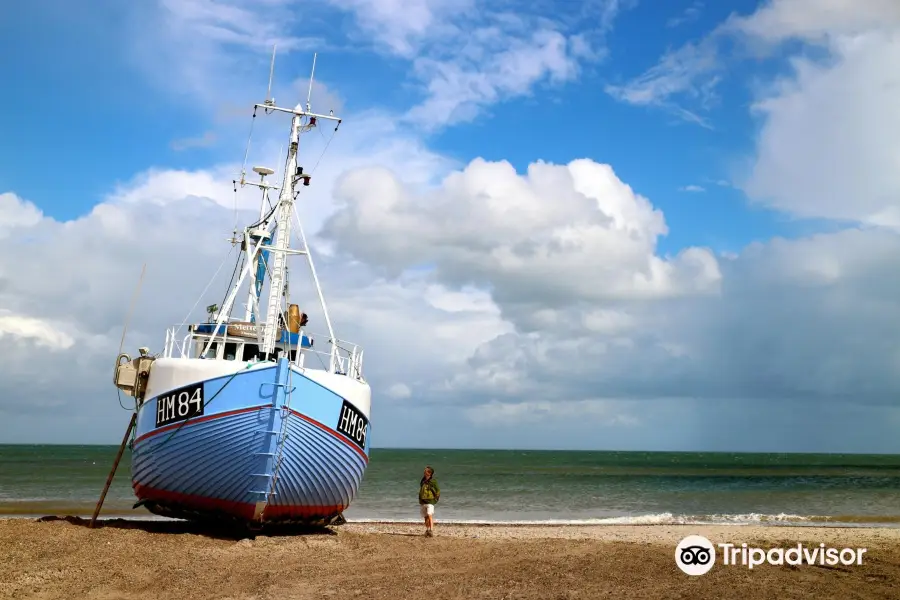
[[696, 555]]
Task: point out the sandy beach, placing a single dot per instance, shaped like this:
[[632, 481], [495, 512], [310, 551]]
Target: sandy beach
[[159, 559]]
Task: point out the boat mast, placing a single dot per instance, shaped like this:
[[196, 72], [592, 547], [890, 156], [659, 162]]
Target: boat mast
[[283, 212], [302, 119]]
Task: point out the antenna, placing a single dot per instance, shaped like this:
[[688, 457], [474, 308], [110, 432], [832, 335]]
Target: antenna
[[311, 75], [269, 102], [269, 99]]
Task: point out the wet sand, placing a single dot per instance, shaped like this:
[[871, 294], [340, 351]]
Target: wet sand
[[159, 559]]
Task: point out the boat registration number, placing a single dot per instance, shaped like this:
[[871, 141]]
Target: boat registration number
[[353, 424], [179, 405]]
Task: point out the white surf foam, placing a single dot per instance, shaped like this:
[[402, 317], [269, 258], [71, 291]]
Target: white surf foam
[[647, 519]]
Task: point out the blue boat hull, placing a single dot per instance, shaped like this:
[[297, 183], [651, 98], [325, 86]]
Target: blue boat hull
[[269, 445]]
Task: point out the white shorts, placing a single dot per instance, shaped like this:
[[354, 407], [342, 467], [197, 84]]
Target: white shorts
[[426, 509]]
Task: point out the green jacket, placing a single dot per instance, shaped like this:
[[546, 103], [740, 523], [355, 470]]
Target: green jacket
[[429, 492]]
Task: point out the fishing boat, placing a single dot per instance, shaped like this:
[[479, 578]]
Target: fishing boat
[[246, 418]]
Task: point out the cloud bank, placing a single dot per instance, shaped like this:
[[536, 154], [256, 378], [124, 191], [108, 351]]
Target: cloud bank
[[514, 308]]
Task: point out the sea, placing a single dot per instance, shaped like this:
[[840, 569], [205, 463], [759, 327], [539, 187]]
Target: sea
[[526, 486]]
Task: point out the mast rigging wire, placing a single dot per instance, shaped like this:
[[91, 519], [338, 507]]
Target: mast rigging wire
[[188, 315]]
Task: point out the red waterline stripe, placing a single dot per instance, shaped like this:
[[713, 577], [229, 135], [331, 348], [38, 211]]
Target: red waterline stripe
[[239, 509], [331, 431], [220, 415]]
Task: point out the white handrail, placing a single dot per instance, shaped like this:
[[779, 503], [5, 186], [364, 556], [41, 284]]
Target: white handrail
[[342, 357]]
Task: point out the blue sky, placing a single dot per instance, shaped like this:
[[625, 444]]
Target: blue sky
[[80, 87], [753, 285]]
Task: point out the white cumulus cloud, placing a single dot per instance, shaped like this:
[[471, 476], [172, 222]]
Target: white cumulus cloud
[[557, 235]]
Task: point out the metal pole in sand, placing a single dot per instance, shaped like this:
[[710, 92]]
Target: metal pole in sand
[[113, 471]]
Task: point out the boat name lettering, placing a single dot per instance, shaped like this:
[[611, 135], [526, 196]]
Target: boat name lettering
[[353, 424], [243, 330], [179, 405]]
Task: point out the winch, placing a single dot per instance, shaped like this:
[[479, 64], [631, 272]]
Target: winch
[[132, 373]]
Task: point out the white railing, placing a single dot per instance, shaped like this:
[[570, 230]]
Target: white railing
[[347, 356]]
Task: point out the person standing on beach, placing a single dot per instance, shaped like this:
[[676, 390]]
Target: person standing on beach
[[429, 494]]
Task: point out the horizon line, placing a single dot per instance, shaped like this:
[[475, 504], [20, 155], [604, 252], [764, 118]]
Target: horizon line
[[474, 449]]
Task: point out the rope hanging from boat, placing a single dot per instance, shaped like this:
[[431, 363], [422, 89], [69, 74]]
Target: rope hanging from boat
[[131, 408]]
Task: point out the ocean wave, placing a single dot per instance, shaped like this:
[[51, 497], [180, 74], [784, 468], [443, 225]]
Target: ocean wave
[[649, 519], [672, 519], [35, 510]]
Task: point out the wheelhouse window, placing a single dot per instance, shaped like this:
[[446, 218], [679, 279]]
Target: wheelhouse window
[[238, 350], [250, 352], [211, 353]]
